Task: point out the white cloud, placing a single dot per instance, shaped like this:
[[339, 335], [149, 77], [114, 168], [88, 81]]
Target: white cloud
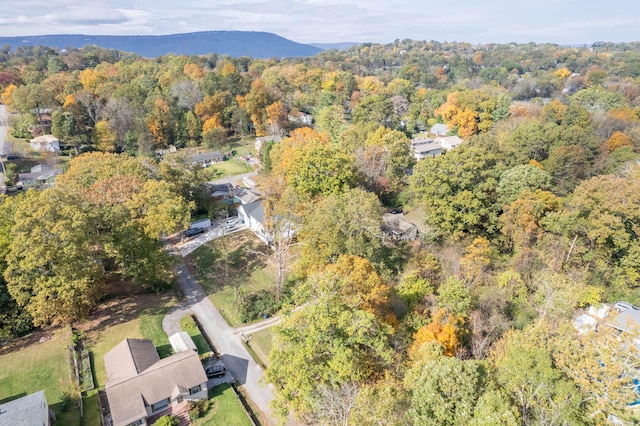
[[562, 21]]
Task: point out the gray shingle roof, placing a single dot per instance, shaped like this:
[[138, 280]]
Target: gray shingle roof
[[162, 379], [30, 410]]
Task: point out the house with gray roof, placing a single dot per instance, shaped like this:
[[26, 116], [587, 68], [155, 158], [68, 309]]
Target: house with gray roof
[[29, 410], [627, 321], [141, 386], [425, 148], [206, 159], [439, 129], [40, 176], [252, 214], [396, 227]]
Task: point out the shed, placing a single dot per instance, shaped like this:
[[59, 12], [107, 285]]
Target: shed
[[181, 342]]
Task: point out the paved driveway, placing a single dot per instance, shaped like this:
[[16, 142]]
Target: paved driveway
[[232, 352]]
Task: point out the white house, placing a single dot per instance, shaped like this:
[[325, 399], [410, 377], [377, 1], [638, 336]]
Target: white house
[[45, 143], [425, 147], [252, 214], [449, 142]]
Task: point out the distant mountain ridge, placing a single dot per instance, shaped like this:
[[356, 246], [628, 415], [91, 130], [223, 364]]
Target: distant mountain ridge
[[336, 46], [233, 43]]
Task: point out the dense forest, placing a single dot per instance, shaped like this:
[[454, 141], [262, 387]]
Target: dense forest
[[534, 217]]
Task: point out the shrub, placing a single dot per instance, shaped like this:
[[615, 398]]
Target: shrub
[[167, 421], [254, 305], [198, 409]]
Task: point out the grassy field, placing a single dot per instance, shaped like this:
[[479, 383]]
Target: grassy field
[[234, 166], [227, 409], [189, 325], [34, 366], [261, 343], [248, 272]]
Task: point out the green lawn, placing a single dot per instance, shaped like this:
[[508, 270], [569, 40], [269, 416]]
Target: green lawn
[[248, 272], [189, 325], [232, 167], [227, 409], [261, 343], [36, 366]]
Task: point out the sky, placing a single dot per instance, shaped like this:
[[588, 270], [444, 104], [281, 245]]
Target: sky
[[332, 21]]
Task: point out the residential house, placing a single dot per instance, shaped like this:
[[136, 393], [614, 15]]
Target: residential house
[[425, 147], [627, 321], [206, 159], [141, 387], [40, 176], [299, 117], [29, 410], [247, 195], [252, 214], [449, 142], [439, 129], [264, 139], [221, 191], [168, 150], [396, 227], [45, 143]]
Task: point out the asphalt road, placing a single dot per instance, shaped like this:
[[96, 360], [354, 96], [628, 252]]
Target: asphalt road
[[232, 351], [5, 147]]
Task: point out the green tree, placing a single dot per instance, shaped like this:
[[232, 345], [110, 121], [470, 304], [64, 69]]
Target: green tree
[[54, 270], [517, 179], [458, 190], [377, 109], [526, 371], [342, 224], [320, 169], [444, 390], [327, 342]]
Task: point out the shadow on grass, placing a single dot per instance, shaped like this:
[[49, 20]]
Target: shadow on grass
[[11, 398], [164, 350], [242, 263], [67, 413]]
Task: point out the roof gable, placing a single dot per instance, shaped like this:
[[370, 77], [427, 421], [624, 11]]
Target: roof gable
[[254, 210], [129, 358]]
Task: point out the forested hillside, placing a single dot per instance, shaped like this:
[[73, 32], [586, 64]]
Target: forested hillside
[[232, 43], [532, 218]]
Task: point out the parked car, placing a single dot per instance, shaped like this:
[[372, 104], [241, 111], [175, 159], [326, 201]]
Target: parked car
[[215, 371], [623, 306], [193, 231]]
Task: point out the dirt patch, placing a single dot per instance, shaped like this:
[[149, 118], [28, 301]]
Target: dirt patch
[[33, 338], [122, 309]]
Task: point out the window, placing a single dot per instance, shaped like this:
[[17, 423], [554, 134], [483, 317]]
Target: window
[[195, 390], [136, 423], [160, 405]]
